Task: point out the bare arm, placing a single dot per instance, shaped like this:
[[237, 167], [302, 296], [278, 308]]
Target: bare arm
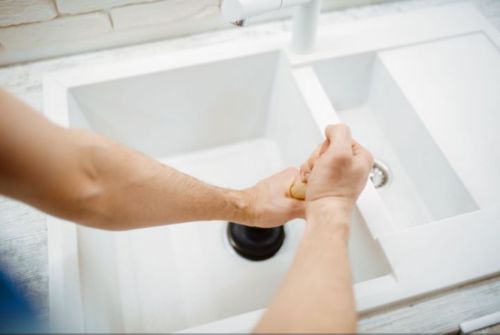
[[316, 295], [87, 178]]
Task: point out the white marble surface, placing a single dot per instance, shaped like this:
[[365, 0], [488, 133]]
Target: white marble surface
[[23, 239]]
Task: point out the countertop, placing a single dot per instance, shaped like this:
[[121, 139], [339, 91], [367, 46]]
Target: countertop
[[23, 232]]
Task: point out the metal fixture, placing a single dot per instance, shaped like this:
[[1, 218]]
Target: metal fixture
[[379, 174], [239, 23], [305, 18]]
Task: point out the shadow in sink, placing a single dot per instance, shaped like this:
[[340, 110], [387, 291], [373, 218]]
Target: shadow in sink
[[228, 123]]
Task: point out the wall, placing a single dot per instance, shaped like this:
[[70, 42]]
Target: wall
[[36, 29]]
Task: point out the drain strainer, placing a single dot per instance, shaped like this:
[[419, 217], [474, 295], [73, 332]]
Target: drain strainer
[[379, 175]]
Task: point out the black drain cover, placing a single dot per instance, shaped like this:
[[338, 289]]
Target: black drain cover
[[256, 244]]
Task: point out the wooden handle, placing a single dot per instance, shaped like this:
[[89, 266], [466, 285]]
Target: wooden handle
[[298, 190]]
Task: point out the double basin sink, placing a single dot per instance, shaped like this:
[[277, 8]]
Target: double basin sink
[[423, 101]]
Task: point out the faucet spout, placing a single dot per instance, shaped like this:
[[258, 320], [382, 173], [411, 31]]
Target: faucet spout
[[304, 21]]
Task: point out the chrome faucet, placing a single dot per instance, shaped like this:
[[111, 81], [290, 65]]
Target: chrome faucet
[[305, 19]]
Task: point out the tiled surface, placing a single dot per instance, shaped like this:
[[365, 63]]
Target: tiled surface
[[23, 237]]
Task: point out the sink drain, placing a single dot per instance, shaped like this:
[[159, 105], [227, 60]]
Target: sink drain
[[379, 175]]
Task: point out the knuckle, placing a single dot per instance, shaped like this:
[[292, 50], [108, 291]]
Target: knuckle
[[330, 129], [311, 160], [304, 168], [343, 127]]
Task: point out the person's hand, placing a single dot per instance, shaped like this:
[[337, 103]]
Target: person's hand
[[270, 204], [336, 172]]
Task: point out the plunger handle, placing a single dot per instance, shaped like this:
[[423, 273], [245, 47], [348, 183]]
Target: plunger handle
[[298, 190]]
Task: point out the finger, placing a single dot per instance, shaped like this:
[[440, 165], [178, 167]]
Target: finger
[[339, 136], [340, 139], [324, 147], [314, 157], [307, 167], [290, 175], [363, 153], [304, 173], [357, 149]]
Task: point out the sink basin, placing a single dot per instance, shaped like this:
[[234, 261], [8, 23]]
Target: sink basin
[[248, 123], [233, 114], [411, 107], [422, 186]]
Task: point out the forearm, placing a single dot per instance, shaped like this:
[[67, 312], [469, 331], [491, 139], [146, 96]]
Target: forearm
[[87, 178], [316, 295], [123, 189], [92, 180]]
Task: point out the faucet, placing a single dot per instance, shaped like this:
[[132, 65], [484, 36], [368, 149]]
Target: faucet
[[305, 18]]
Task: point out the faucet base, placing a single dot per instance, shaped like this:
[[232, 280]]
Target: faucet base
[[305, 23]]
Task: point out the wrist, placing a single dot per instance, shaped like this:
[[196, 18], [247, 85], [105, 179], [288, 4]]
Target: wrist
[[329, 217], [240, 208], [328, 206], [328, 228]]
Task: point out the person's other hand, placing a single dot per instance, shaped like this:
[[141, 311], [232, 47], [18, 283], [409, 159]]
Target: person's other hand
[[270, 202], [337, 171]]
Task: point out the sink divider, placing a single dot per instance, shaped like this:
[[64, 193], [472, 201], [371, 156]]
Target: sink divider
[[370, 292], [420, 258], [370, 204]]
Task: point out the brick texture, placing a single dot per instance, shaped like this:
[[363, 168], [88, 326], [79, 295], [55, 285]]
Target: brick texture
[[35, 29], [162, 12], [14, 12], [61, 30], [85, 6]]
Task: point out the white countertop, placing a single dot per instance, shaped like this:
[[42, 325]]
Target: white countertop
[[23, 238]]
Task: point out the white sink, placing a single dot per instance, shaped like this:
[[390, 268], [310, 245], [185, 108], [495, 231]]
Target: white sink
[[249, 122], [233, 114]]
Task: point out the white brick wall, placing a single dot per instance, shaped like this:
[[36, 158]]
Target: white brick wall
[[60, 30], [85, 6], [25, 11], [161, 12], [35, 29]]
